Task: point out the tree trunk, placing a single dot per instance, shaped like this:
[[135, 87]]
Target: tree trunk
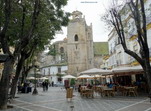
[[18, 71], [25, 72], [22, 78], [148, 77], [4, 83]]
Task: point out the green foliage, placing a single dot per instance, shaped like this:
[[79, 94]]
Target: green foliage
[[52, 50], [60, 75], [50, 20], [72, 82]]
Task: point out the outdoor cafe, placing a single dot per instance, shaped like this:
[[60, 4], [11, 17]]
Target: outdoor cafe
[[123, 81]]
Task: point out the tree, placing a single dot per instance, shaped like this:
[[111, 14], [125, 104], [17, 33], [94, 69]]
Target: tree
[[20, 22], [72, 82], [7, 38], [43, 33], [137, 9]]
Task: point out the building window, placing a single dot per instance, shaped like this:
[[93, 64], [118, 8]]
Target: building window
[[119, 40], [61, 50], [135, 48], [76, 37], [90, 61], [44, 71], [89, 35], [59, 69], [49, 71], [119, 62]]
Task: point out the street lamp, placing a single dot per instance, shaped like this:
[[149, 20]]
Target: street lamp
[[36, 65]]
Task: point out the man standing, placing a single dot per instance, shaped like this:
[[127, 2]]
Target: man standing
[[44, 85], [52, 83]]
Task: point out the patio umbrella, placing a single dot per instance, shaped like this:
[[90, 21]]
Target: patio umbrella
[[95, 71], [97, 76], [44, 78], [30, 78], [69, 77], [127, 69], [84, 77]]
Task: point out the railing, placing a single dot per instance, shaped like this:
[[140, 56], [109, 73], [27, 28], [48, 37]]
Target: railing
[[148, 20], [131, 59]]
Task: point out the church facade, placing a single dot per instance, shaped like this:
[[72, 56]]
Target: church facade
[[77, 51], [80, 53]]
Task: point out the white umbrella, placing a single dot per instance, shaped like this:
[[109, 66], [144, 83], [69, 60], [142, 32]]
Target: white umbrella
[[127, 69], [97, 76], [94, 71], [69, 77], [44, 78], [84, 77], [31, 78]]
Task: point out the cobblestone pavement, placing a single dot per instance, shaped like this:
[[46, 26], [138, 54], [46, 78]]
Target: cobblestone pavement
[[55, 100]]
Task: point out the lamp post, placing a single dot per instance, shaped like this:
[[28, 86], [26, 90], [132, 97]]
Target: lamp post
[[36, 65]]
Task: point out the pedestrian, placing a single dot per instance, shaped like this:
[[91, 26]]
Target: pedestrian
[[79, 88], [52, 83], [44, 85]]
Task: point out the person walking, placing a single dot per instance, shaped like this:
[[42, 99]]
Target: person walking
[[44, 85], [52, 83]]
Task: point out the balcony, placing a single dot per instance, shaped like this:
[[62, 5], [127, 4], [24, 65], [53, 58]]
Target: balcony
[[118, 46], [148, 19], [131, 59]]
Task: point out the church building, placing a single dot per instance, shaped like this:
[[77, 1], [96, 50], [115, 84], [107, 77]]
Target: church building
[[80, 53]]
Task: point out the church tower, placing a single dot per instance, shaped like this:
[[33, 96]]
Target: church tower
[[79, 44]]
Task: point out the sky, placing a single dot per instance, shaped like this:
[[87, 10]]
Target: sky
[[92, 10]]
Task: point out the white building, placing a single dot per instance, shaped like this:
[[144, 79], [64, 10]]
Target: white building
[[54, 72], [117, 55]]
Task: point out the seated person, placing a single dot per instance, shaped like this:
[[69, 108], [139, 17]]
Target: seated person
[[89, 86], [110, 85], [79, 88]]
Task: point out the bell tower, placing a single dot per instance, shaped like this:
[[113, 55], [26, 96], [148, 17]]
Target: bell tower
[[79, 44]]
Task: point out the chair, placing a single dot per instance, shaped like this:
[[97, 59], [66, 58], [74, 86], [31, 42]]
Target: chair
[[112, 93], [132, 92], [136, 92], [82, 91], [122, 90], [89, 93], [101, 91]]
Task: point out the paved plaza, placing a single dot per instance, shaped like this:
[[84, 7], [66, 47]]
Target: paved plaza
[[55, 100]]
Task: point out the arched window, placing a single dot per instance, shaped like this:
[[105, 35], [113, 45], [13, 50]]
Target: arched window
[[61, 50], [76, 37]]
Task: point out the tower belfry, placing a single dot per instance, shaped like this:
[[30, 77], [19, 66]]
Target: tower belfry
[[76, 14], [79, 44]]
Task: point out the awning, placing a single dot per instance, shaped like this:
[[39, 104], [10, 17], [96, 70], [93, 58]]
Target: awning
[[95, 71]]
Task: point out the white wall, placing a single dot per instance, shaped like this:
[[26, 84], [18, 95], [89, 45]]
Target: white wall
[[51, 72], [119, 54], [149, 37]]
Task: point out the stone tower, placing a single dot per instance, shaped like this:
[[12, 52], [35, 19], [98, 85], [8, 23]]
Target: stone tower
[[79, 44]]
